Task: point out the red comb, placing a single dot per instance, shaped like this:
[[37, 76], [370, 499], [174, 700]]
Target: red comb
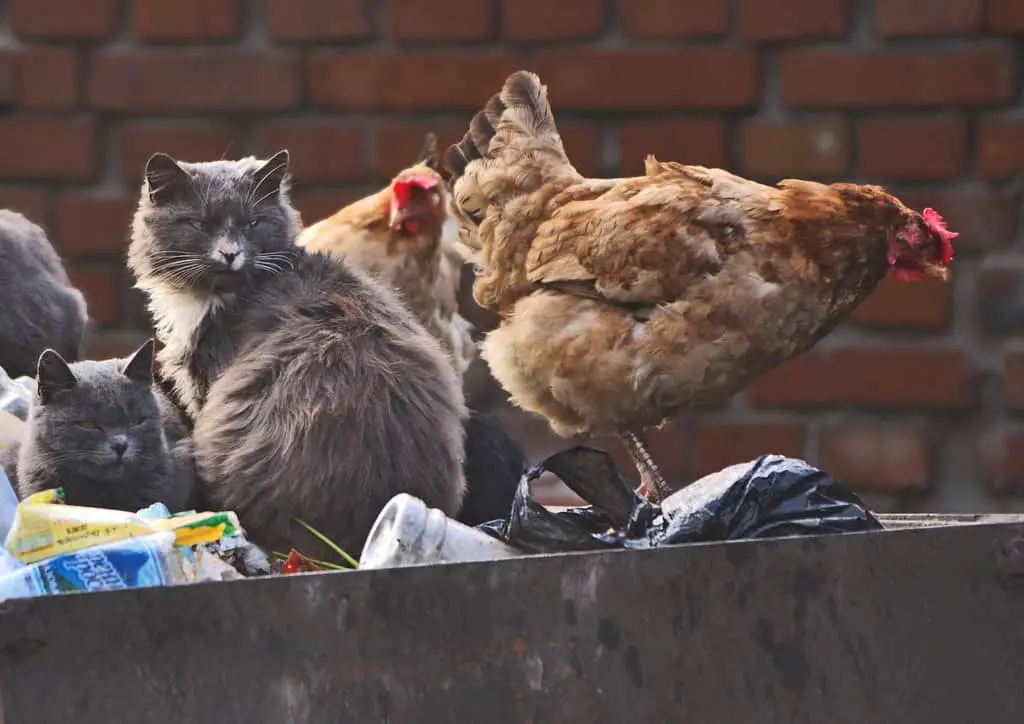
[[402, 189], [937, 225]]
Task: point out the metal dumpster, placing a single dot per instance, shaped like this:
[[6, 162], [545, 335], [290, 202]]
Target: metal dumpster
[[923, 622]]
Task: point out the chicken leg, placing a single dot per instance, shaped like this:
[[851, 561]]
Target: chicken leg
[[652, 483]]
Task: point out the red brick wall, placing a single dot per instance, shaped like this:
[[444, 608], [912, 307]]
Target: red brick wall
[[918, 395]]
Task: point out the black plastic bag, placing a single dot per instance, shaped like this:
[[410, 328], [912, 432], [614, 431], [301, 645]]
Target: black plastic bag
[[771, 496]]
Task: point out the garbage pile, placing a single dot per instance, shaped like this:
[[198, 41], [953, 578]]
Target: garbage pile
[[772, 496], [51, 547]]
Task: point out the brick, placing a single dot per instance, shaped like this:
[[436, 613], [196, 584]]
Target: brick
[[872, 377], [8, 78], [924, 304], [113, 345], [64, 19], [790, 19], [48, 78], [876, 457], [159, 21], [637, 79], [318, 203], [722, 444], [978, 74], [33, 202], [102, 286], [1000, 301], [162, 80], [389, 81], [913, 148], [660, 19], [90, 224], [184, 140], [1013, 382], [1001, 146], [771, 149], [984, 218], [441, 19], [1005, 16], [314, 20], [699, 141], [321, 150], [533, 20], [398, 143], [1002, 459], [897, 18], [48, 148], [582, 142]]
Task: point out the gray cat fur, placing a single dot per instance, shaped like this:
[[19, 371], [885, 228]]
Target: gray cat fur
[[40, 307], [79, 411], [314, 392]]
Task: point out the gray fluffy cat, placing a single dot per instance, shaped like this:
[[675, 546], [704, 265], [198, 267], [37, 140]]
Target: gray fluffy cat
[[99, 430], [315, 394], [40, 307]]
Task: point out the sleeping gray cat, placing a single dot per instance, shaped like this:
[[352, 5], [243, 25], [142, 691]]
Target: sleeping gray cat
[[40, 307], [97, 429], [315, 394]]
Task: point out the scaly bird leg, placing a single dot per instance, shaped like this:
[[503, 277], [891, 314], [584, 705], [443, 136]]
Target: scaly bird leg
[[652, 484]]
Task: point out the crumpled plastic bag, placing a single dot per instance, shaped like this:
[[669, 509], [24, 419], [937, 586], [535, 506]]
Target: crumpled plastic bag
[[769, 497]]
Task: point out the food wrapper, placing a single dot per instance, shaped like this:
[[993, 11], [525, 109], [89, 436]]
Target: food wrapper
[[137, 562], [53, 495], [141, 562], [44, 529]]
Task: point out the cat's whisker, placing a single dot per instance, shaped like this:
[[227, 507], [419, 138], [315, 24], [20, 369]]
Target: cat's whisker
[[264, 177], [262, 198]]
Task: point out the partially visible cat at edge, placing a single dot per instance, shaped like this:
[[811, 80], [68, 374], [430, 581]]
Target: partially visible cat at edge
[[97, 430], [40, 307], [314, 392]]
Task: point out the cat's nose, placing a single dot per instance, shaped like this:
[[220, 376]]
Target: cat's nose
[[229, 256], [119, 444]]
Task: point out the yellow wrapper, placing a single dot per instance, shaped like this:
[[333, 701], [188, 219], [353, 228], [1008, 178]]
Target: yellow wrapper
[[53, 495], [41, 529]]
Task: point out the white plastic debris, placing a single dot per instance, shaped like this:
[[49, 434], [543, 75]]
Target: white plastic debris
[[408, 532]]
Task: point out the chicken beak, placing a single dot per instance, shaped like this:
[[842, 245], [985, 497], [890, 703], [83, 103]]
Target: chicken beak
[[397, 217], [937, 271]]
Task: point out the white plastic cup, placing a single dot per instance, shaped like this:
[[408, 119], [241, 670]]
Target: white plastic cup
[[408, 532]]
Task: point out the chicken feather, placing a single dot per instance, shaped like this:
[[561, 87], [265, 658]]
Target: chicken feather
[[422, 266], [625, 301]]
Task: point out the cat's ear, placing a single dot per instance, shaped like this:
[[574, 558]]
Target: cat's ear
[[165, 178], [53, 375], [139, 367], [270, 177]]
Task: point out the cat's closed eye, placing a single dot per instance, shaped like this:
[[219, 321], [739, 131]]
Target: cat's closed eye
[[87, 425], [198, 224], [253, 223], [136, 422]]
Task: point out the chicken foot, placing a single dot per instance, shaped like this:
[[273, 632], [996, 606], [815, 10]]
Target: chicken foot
[[652, 483]]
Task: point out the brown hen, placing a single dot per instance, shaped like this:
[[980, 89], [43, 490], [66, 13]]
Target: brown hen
[[625, 301], [403, 236]]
